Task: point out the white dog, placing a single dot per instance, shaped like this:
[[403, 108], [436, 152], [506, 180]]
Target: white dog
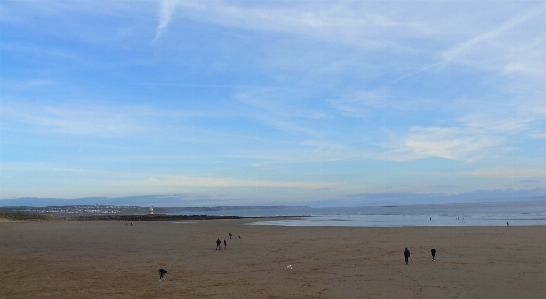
[[289, 267]]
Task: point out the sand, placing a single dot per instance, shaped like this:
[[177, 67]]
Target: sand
[[108, 259]]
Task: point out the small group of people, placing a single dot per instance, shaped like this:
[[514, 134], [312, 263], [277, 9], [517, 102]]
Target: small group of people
[[407, 254], [219, 245]]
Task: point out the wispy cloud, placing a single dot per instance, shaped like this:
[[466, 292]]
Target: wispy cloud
[[166, 11], [39, 51], [510, 173], [349, 23], [188, 181], [491, 124], [283, 103], [514, 53], [97, 118], [461, 49], [92, 120], [281, 109], [27, 84], [450, 143], [538, 135], [362, 103], [527, 58], [475, 128]]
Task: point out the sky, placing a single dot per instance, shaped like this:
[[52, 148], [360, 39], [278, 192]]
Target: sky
[[192, 103]]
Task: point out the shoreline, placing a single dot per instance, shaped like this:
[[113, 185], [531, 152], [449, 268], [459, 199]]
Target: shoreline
[[252, 220]]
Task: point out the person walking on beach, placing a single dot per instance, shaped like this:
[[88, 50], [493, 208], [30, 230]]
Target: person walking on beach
[[161, 273], [406, 255], [433, 252], [218, 244], [225, 245], [230, 236]]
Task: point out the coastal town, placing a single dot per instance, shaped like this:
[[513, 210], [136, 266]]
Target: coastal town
[[77, 210], [89, 210]]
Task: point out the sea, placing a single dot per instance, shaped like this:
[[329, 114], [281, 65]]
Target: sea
[[521, 213]]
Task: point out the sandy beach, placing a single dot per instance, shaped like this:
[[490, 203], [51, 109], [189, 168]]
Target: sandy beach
[[109, 259]]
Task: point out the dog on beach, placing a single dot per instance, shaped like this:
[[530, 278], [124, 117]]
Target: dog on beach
[[161, 272], [289, 267]]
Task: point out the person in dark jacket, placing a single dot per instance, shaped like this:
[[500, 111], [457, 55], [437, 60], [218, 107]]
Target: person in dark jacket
[[218, 244], [161, 274], [433, 252], [406, 255]]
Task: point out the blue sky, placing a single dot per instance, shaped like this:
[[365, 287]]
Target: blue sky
[[263, 102]]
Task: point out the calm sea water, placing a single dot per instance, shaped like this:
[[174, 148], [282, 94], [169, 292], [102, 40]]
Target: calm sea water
[[467, 214]]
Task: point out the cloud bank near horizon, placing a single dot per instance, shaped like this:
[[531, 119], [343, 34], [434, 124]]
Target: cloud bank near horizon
[[351, 200]]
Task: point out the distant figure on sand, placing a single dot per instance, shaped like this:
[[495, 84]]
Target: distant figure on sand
[[230, 236], [507, 224], [433, 252], [225, 245], [218, 244], [161, 273], [406, 255]]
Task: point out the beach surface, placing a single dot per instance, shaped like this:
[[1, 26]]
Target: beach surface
[[110, 259]]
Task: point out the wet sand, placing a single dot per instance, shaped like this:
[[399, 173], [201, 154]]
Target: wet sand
[[108, 259]]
